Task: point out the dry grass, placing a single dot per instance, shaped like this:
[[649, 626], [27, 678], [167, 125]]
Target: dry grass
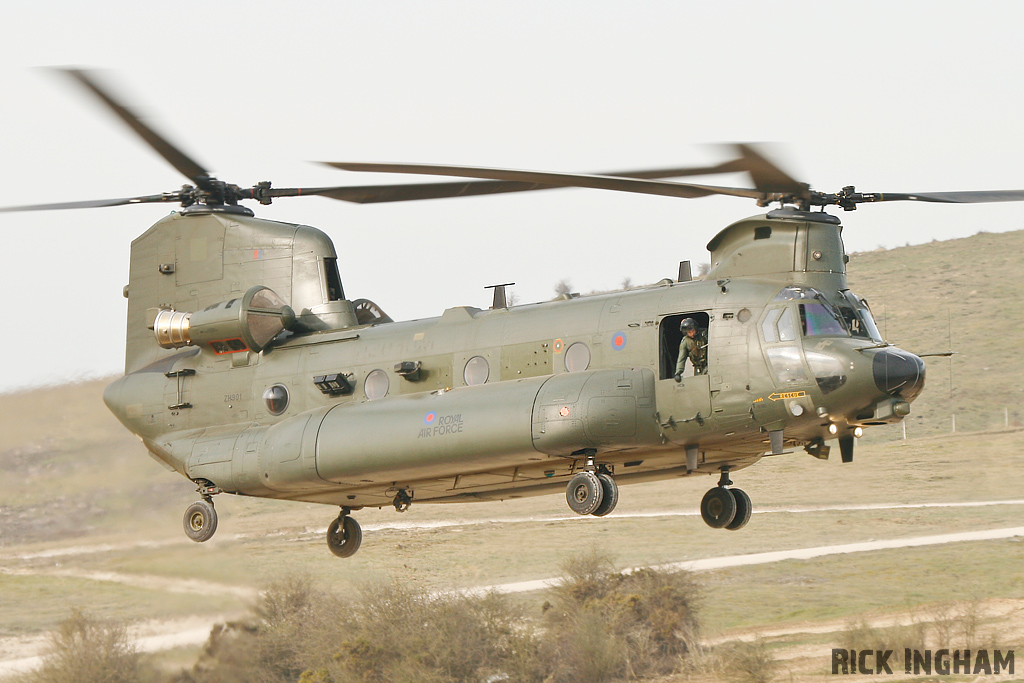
[[968, 293]]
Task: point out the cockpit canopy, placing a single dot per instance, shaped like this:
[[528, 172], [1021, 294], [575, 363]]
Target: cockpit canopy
[[846, 315]]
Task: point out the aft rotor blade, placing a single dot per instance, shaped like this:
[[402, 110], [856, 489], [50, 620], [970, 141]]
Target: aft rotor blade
[[94, 203], [370, 194], [181, 161], [373, 194], [598, 182], [767, 177]]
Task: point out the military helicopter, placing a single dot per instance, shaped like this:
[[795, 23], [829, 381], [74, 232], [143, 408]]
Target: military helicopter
[[250, 372]]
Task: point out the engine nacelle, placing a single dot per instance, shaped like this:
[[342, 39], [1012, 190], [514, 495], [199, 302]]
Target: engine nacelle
[[242, 324]]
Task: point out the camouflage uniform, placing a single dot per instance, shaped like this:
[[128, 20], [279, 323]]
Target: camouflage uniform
[[695, 349]]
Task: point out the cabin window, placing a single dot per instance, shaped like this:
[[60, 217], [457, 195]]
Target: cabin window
[[376, 385], [477, 371], [276, 399], [577, 357]]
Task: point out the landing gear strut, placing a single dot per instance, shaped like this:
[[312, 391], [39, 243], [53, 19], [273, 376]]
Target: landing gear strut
[[725, 508], [344, 535], [593, 491], [402, 501]]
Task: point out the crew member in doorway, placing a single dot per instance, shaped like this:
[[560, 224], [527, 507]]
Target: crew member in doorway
[[692, 347]]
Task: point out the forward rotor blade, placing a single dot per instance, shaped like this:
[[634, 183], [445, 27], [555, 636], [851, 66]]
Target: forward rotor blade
[[598, 182], [94, 203], [371, 194], [181, 161], [966, 197]]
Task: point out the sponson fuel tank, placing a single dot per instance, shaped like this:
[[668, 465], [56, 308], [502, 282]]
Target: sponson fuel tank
[[462, 430]]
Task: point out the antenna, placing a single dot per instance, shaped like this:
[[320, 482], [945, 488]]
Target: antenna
[[499, 295]]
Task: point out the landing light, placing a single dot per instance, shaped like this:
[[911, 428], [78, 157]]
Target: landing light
[[832, 429], [858, 432]]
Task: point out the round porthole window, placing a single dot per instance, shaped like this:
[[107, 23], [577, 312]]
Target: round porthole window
[[477, 371], [376, 385], [276, 399], [577, 357]]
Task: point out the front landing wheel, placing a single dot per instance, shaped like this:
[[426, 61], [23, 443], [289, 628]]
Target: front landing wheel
[[610, 498], [718, 508], [743, 509], [344, 536], [200, 521], [584, 493]]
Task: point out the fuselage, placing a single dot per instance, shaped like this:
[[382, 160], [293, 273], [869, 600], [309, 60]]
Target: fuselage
[[502, 403]]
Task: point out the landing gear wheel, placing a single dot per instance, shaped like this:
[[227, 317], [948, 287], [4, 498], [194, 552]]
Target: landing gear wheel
[[584, 493], [742, 510], [200, 521], [344, 536], [610, 497], [718, 508]]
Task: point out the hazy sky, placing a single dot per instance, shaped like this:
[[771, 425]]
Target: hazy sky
[[888, 96]]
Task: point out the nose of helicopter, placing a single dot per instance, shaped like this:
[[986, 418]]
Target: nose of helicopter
[[898, 373]]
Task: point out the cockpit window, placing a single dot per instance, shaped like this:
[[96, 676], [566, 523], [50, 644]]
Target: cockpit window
[[778, 325], [787, 330], [857, 315], [333, 277], [795, 293], [768, 326], [820, 320]]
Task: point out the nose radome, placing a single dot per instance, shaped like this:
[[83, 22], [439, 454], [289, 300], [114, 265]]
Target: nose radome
[[899, 373]]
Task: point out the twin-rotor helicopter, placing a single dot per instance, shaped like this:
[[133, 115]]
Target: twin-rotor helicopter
[[250, 371]]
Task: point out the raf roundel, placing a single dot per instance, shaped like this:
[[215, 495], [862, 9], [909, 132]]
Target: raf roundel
[[429, 418], [619, 340]]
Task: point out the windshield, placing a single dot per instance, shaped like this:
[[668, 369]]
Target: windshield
[[821, 320], [857, 315], [818, 316]]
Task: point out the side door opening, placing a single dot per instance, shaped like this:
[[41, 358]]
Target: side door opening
[[670, 336]]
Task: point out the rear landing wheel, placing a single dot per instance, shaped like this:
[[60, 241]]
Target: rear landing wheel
[[200, 521], [718, 508], [743, 509], [344, 536]]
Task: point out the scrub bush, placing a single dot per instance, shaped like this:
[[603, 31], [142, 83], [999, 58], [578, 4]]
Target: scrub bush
[[604, 625], [87, 650]]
